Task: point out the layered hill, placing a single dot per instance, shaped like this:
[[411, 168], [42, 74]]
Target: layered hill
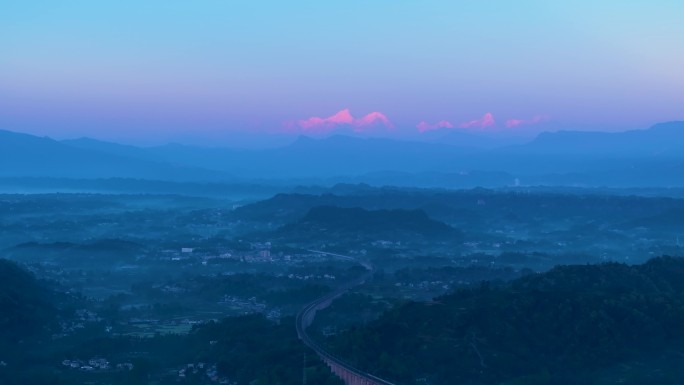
[[331, 222], [638, 158], [23, 155]]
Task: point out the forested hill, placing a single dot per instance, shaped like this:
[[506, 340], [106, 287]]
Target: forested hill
[[331, 220], [591, 324], [25, 305]]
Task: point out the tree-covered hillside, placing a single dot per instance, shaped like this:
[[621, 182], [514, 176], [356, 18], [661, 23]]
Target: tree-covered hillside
[[586, 324], [26, 310], [331, 221]]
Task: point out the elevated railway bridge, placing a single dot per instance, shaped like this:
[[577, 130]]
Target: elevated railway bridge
[[348, 373]]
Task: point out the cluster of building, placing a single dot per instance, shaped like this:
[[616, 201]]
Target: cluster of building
[[260, 252], [202, 368], [249, 305], [81, 318], [95, 364], [310, 276], [424, 285], [89, 365]]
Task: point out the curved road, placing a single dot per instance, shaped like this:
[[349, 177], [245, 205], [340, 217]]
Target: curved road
[[349, 374]]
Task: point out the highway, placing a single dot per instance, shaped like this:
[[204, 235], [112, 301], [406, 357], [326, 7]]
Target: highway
[[349, 374]]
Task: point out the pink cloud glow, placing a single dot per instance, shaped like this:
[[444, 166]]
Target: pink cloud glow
[[425, 126], [485, 121], [317, 124], [510, 123]]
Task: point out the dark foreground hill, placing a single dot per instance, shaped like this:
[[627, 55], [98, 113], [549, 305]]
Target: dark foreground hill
[[593, 324], [26, 309]]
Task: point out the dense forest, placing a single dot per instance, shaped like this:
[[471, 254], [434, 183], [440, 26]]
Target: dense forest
[[583, 324]]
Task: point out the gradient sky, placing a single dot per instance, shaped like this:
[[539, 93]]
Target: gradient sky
[[158, 70]]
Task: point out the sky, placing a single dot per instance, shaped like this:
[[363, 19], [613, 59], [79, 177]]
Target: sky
[[167, 70]]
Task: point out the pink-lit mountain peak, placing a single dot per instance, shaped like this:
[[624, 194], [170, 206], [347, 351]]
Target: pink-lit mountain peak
[[344, 118]]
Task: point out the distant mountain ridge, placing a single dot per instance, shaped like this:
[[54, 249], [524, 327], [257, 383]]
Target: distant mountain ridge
[[26, 155], [650, 157], [663, 139]]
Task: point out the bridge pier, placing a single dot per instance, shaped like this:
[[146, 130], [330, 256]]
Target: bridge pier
[[349, 377]]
